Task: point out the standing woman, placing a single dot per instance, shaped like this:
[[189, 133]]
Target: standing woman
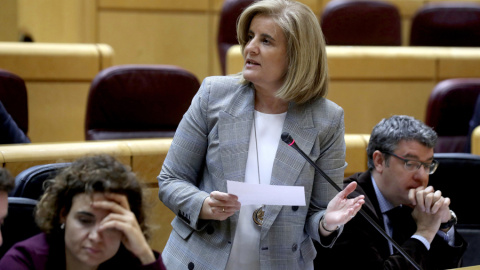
[[232, 132], [92, 217]]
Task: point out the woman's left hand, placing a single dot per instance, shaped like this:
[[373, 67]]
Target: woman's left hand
[[121, 218], [340, 209]]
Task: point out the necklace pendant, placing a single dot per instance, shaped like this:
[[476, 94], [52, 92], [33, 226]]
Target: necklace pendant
[[258, 216]]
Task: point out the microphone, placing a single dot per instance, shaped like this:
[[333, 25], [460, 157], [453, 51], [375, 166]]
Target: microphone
[[291, 142]]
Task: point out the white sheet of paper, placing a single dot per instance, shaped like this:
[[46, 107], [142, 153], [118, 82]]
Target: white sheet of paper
[[267, 194]]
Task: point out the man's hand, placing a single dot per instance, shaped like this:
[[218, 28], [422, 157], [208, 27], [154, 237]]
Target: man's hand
[[430, 209]]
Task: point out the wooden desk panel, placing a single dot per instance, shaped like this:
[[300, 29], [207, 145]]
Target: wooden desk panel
[[371, 83], [476, 141], [145, 157], [20, 157], [159, 218], [365, 103], [356, 155]]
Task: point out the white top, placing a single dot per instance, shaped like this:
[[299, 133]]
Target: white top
[[245, 252]]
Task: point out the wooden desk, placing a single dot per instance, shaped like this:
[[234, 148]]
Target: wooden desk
[[372, 83], [145, 157], [476, 141]]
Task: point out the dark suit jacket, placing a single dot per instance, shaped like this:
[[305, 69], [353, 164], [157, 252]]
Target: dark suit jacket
[[361, 246], [9, 131]]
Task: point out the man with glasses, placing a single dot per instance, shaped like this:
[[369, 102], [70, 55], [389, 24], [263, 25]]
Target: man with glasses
[[398, 198]]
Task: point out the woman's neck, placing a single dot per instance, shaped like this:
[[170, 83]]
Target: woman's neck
[[267, 102]]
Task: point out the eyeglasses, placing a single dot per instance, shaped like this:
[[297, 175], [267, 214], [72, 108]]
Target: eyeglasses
[[413, 165]]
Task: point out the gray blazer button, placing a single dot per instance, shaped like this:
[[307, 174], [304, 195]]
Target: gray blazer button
[[294, 247], [191, 266], [294, 208]]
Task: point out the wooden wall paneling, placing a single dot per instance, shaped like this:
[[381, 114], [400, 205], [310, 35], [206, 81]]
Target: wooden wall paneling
[[182, 5], [172, 38], [9, 20], [55, 20]]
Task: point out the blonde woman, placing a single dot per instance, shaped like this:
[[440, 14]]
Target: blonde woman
[[232, 132]]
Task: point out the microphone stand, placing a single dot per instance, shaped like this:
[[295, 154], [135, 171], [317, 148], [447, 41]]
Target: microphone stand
[[291, 142]]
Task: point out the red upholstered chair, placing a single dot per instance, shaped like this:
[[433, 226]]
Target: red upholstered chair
[[227, 31], [138, 101], [13, 95], [361, 22], [446, 24], [449, 110]]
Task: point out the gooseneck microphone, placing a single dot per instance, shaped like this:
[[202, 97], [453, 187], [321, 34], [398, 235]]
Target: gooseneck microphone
[[291, 142]]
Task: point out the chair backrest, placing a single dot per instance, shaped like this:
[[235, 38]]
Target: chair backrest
[[474, 122], [449, 110], [13, 95], [471, 234], [19, 223], [227, 27], [138, 101], [361, 22], [457, 178], [29, 183], [446, 24]]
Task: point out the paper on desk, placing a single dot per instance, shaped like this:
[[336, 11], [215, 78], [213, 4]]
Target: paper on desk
[[267, 194]]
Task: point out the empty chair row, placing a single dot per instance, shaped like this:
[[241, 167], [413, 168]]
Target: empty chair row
[[365, 22], [375, 23], [148, 101], [138, 101], [127, 101]]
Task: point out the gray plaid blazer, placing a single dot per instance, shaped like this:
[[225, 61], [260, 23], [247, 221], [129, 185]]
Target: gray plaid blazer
[[210, 146]]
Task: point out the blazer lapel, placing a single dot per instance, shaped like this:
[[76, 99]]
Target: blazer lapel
[[234, 127], [288, 162]]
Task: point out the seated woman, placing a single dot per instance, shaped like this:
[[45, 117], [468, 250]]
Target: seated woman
[[92, 217]]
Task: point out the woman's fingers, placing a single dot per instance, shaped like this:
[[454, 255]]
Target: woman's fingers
[[121, 199], [221, 202]]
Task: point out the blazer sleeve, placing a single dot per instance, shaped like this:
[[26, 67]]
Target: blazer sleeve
[[182, 168], [331, 159]]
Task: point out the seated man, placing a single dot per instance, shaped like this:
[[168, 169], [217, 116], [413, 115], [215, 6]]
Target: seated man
[[400, 160], [6, 184]]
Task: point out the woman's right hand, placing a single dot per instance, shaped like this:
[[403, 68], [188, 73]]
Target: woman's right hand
[[219, 206]]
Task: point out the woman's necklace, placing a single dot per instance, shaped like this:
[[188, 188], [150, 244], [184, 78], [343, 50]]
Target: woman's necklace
[[259, 212]]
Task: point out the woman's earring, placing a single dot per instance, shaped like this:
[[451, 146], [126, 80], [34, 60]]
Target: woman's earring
[[62, 226]]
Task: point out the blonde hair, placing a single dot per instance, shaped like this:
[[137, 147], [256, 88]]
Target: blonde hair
[[307, 74]]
